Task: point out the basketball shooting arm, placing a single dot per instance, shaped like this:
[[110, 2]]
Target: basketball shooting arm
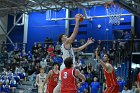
[[89, 41], [106, 66], [71, 39]]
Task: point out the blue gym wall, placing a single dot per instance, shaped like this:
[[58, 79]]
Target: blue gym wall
[[16, 34], [39, 28]]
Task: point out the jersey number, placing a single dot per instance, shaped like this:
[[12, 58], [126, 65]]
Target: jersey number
[[65, 75], [55, 79]]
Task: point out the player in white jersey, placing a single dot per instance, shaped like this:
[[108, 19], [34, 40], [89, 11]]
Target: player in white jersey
[[66, 53], [40, 80], [70, 52], [67, 49]]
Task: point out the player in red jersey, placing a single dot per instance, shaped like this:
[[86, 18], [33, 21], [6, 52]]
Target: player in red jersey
[[68, 77], [138, 77], [111, 81], [52, 78]]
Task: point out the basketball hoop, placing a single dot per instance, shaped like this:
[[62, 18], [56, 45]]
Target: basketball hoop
[[114, 12]]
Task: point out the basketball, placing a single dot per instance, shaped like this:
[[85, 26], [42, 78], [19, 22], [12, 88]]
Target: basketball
[[81, 17]]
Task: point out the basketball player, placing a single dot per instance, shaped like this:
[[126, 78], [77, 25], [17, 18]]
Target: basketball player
[[40, 80], [66, 47], [111, 81], [52, 78], [68, 77]]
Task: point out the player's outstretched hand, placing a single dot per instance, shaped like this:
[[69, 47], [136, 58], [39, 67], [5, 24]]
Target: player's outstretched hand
[[90, 41]]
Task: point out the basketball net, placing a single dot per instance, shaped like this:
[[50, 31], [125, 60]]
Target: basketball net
[[114, 12]]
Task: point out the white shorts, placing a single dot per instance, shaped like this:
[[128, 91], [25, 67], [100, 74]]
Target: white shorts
[[57, 88], [40, 89]]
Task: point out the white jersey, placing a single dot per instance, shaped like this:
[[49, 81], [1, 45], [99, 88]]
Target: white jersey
[[41, 81], [66, 53], [41, 78]]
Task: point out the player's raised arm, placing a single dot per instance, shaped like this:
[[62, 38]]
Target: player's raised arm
[[89, 41], [80, 75], [78, 19]]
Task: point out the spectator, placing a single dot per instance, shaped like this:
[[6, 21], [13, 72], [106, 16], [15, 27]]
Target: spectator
[[43, 63], [16, 77], [102, 52], [127, 35], [34, 48], [30, 56], [4, 57], [121, 83], [40, 50], [48, 40], [45, 50], [21, 72], [126, 90], [89, 67], [83, 88], [89, 77], [6, 88], [58, 48], [4, 71], [114, 46], [80, 88], [95, 86], [50, 50], [99, 46], [78, 63], [16, 49], [13, 84]]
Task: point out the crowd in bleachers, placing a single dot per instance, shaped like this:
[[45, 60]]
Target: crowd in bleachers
[[10, 79], [20, 65]]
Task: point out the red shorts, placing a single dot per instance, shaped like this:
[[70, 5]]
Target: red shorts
[[112, 89], [50, 89]]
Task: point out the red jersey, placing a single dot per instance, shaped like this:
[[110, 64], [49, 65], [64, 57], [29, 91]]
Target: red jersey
[[68, 83], [53, 79], [138, 77], [110, 78]]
